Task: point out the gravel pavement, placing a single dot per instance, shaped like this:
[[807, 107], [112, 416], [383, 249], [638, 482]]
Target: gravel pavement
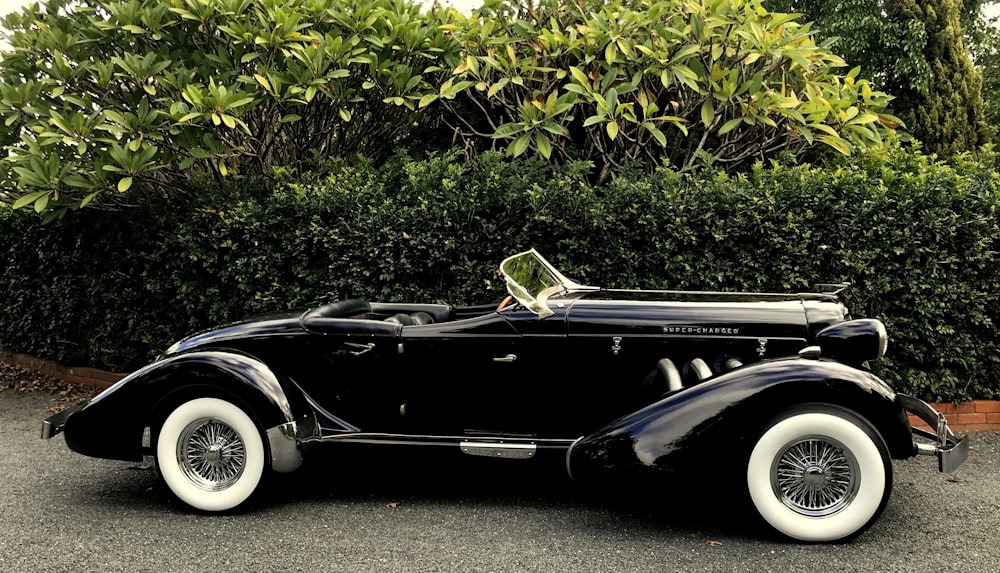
[[64, 512]]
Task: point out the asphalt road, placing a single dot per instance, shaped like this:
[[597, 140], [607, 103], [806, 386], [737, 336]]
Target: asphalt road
[[64, 512]]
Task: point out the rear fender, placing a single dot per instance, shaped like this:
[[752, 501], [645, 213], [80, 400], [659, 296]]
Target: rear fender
[[713, 424], [112, 424]]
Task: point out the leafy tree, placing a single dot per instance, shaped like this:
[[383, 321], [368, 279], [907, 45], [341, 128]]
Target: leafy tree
[[890, 52], [986, 53], [102, 95], [139, 96], [946, 116], [621, 81], [917, 50]]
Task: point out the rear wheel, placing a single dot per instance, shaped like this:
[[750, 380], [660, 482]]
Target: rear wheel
[[819, 473], [210, 454]]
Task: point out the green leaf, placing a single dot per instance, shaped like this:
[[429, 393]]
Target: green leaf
[[28, 199], [201, 153], [345, 114], [520, 145], [89, 198], [507, 130], [707, 112], [579, 76], [497, 87], [76, 181], [263, 81], [837, 143], [685, 52], [543, 144], [612, 128], [656, 133], [42, 203], [805, 132], [427, 100], [124, 183], [730, 125]]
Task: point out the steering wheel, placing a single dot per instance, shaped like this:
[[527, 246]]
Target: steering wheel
[[505, 303]]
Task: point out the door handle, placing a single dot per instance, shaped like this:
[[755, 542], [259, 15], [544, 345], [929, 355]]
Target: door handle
[[508, 358]]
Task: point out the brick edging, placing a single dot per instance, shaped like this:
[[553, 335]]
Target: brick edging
[[82, 375], [969, 416], [965, 417]]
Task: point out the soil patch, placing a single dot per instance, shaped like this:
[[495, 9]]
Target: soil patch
[[13, 378]]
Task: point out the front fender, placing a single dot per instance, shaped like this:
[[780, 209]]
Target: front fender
[[706, 425], [111, 425]]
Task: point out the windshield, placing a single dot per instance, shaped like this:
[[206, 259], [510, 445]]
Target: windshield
[[531, 280]]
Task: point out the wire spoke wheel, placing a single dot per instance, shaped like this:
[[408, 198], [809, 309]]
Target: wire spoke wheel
[[819, 472], [211, 454], [816, 477]]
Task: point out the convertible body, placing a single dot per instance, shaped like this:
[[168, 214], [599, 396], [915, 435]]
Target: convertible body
[[613, 381]]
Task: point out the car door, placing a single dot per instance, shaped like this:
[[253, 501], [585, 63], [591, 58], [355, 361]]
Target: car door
[[459, 378], [566, 386]]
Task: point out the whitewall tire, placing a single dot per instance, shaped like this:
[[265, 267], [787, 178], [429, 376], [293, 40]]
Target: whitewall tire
[[210, 454], [819, 474]]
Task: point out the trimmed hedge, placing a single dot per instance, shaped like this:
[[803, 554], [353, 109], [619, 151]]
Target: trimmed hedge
[[917, 239]]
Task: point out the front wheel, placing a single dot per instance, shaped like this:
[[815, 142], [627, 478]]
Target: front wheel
[[210, 454], [819, 473]]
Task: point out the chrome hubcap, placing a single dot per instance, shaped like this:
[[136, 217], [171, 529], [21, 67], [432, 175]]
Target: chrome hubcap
[[211, 454], [816, 476]]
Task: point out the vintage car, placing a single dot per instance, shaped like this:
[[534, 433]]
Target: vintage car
[[770, 389]]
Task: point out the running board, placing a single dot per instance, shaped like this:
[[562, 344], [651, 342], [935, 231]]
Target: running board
[[513, 451]]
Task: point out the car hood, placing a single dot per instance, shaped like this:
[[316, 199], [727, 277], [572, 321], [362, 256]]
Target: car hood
[[703, 313], [703, 297]]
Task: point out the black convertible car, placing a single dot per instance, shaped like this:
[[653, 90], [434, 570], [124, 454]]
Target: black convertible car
[[770, 388]]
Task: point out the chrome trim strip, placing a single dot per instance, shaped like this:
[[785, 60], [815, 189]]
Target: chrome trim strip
[[285, 453], [499, 450], [465, 438], [54, 424]]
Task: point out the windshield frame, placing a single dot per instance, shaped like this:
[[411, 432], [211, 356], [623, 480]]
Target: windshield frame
[[547, 281]]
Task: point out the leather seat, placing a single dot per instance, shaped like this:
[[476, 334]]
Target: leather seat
[[414, 319]]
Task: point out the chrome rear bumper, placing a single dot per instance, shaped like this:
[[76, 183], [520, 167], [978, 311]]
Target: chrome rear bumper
[[53, 425], [951, 451]]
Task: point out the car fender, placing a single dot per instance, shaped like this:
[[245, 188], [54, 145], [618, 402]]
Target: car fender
[[112, 424], [710, 425]]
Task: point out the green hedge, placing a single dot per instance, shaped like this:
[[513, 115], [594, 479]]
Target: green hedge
[[917, 239]]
